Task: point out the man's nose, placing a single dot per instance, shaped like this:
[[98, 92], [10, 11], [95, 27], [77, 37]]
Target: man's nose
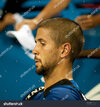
[[35, 52]]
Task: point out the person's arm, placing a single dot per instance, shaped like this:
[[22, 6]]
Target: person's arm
[[88, 21], [90, 53], [7, 20], [53, 8]]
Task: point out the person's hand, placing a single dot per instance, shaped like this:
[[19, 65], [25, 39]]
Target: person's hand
[[30, 22], [88, 21], [8, 19]]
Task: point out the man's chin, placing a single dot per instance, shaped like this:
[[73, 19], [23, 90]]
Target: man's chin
[[41, 70]]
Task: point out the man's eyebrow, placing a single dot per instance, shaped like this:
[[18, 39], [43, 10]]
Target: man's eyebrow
[[40, 39]]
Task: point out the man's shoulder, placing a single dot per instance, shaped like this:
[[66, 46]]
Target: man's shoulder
[[65, 92], [63, 88]]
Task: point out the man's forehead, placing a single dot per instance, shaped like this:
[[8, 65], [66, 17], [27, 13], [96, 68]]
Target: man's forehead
[[42, 34]]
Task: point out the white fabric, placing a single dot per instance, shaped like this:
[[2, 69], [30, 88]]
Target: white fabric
[[24, 36], [18, 18]]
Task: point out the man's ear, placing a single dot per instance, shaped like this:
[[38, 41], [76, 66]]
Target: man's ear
[[65, 49]]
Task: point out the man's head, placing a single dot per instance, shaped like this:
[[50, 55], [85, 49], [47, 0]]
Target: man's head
[[56, 39]]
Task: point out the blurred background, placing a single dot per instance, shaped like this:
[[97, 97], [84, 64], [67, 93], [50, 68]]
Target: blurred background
[[17, 70]]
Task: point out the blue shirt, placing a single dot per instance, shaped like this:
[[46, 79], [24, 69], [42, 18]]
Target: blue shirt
[[60, 91]]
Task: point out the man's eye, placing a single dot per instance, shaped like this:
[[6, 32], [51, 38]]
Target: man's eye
[[43, 43]]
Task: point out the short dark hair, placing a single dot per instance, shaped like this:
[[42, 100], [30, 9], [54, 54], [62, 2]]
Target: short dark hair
[[64, 30]]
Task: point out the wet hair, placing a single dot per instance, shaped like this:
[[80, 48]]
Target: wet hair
[[63, 30]]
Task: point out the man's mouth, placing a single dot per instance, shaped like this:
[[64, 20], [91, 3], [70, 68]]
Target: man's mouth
[[36, 60]]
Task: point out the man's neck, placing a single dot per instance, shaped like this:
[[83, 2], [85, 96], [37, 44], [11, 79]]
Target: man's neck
[[62, 71]]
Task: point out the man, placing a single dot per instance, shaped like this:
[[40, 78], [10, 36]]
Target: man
[[58, 43]]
